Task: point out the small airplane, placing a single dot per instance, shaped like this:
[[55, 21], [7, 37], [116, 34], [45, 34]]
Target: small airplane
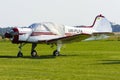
[[51, 33]]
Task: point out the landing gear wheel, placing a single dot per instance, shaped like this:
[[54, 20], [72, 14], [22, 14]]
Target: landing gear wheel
[[56, 53], [34, 53], [19, 54]]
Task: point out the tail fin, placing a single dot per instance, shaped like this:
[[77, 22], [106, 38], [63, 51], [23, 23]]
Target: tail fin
[[101, 29], [101, 24]]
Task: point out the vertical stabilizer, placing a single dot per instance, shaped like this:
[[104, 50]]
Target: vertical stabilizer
[[101, 24]]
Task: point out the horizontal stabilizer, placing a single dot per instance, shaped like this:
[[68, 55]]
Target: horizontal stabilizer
[[99, 36]]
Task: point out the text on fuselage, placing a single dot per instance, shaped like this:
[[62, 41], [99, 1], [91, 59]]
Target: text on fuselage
[[76, 31]]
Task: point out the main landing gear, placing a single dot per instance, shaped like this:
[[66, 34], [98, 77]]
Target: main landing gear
[[57, 52], [33, 51]]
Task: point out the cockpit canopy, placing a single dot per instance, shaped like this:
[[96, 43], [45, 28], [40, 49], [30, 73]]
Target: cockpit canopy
[[48, 27]]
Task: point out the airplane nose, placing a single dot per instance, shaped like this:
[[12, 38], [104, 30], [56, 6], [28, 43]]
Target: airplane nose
[[11, 33], [8, 35]]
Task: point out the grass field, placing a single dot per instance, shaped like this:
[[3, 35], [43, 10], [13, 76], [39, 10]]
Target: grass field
[[94, 60]]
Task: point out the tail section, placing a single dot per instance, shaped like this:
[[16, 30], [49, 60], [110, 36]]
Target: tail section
[[101, 24], [101, 29]]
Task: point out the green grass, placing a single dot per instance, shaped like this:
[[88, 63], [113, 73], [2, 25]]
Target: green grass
[[93, 60]]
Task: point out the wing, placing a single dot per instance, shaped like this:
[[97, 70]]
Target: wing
[[73, 38]]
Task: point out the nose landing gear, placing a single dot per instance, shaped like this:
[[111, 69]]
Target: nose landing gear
[[20, 54]]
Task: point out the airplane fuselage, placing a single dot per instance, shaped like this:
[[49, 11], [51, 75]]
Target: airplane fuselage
[[29, 35]]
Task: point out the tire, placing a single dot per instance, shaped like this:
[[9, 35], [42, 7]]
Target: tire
[[34, 53], [19, 54], [56, 53]]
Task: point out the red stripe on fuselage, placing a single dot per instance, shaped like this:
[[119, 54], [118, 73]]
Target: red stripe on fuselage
[[22, 33], [42, 33], [50, 33], [47, 33]]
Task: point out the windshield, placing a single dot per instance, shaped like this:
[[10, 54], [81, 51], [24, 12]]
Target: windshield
[[34, 25]]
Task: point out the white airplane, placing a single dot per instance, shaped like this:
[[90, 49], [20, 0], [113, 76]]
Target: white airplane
[[51, 33]]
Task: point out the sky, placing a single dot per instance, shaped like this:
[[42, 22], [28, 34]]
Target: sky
[[67, 12]]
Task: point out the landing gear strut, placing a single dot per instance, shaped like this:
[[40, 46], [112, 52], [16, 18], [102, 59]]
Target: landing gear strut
[[33, 52], [57, 52], [20, 54]]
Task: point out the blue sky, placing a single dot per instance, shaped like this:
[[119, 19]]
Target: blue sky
[[68, 12]]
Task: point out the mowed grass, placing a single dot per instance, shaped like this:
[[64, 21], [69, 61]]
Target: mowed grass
[[93, 60]]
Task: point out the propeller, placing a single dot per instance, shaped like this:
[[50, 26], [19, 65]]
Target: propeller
[[10, 34]]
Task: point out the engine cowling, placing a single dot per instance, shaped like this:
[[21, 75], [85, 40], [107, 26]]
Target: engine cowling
[[13, 34], [18, 35]]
